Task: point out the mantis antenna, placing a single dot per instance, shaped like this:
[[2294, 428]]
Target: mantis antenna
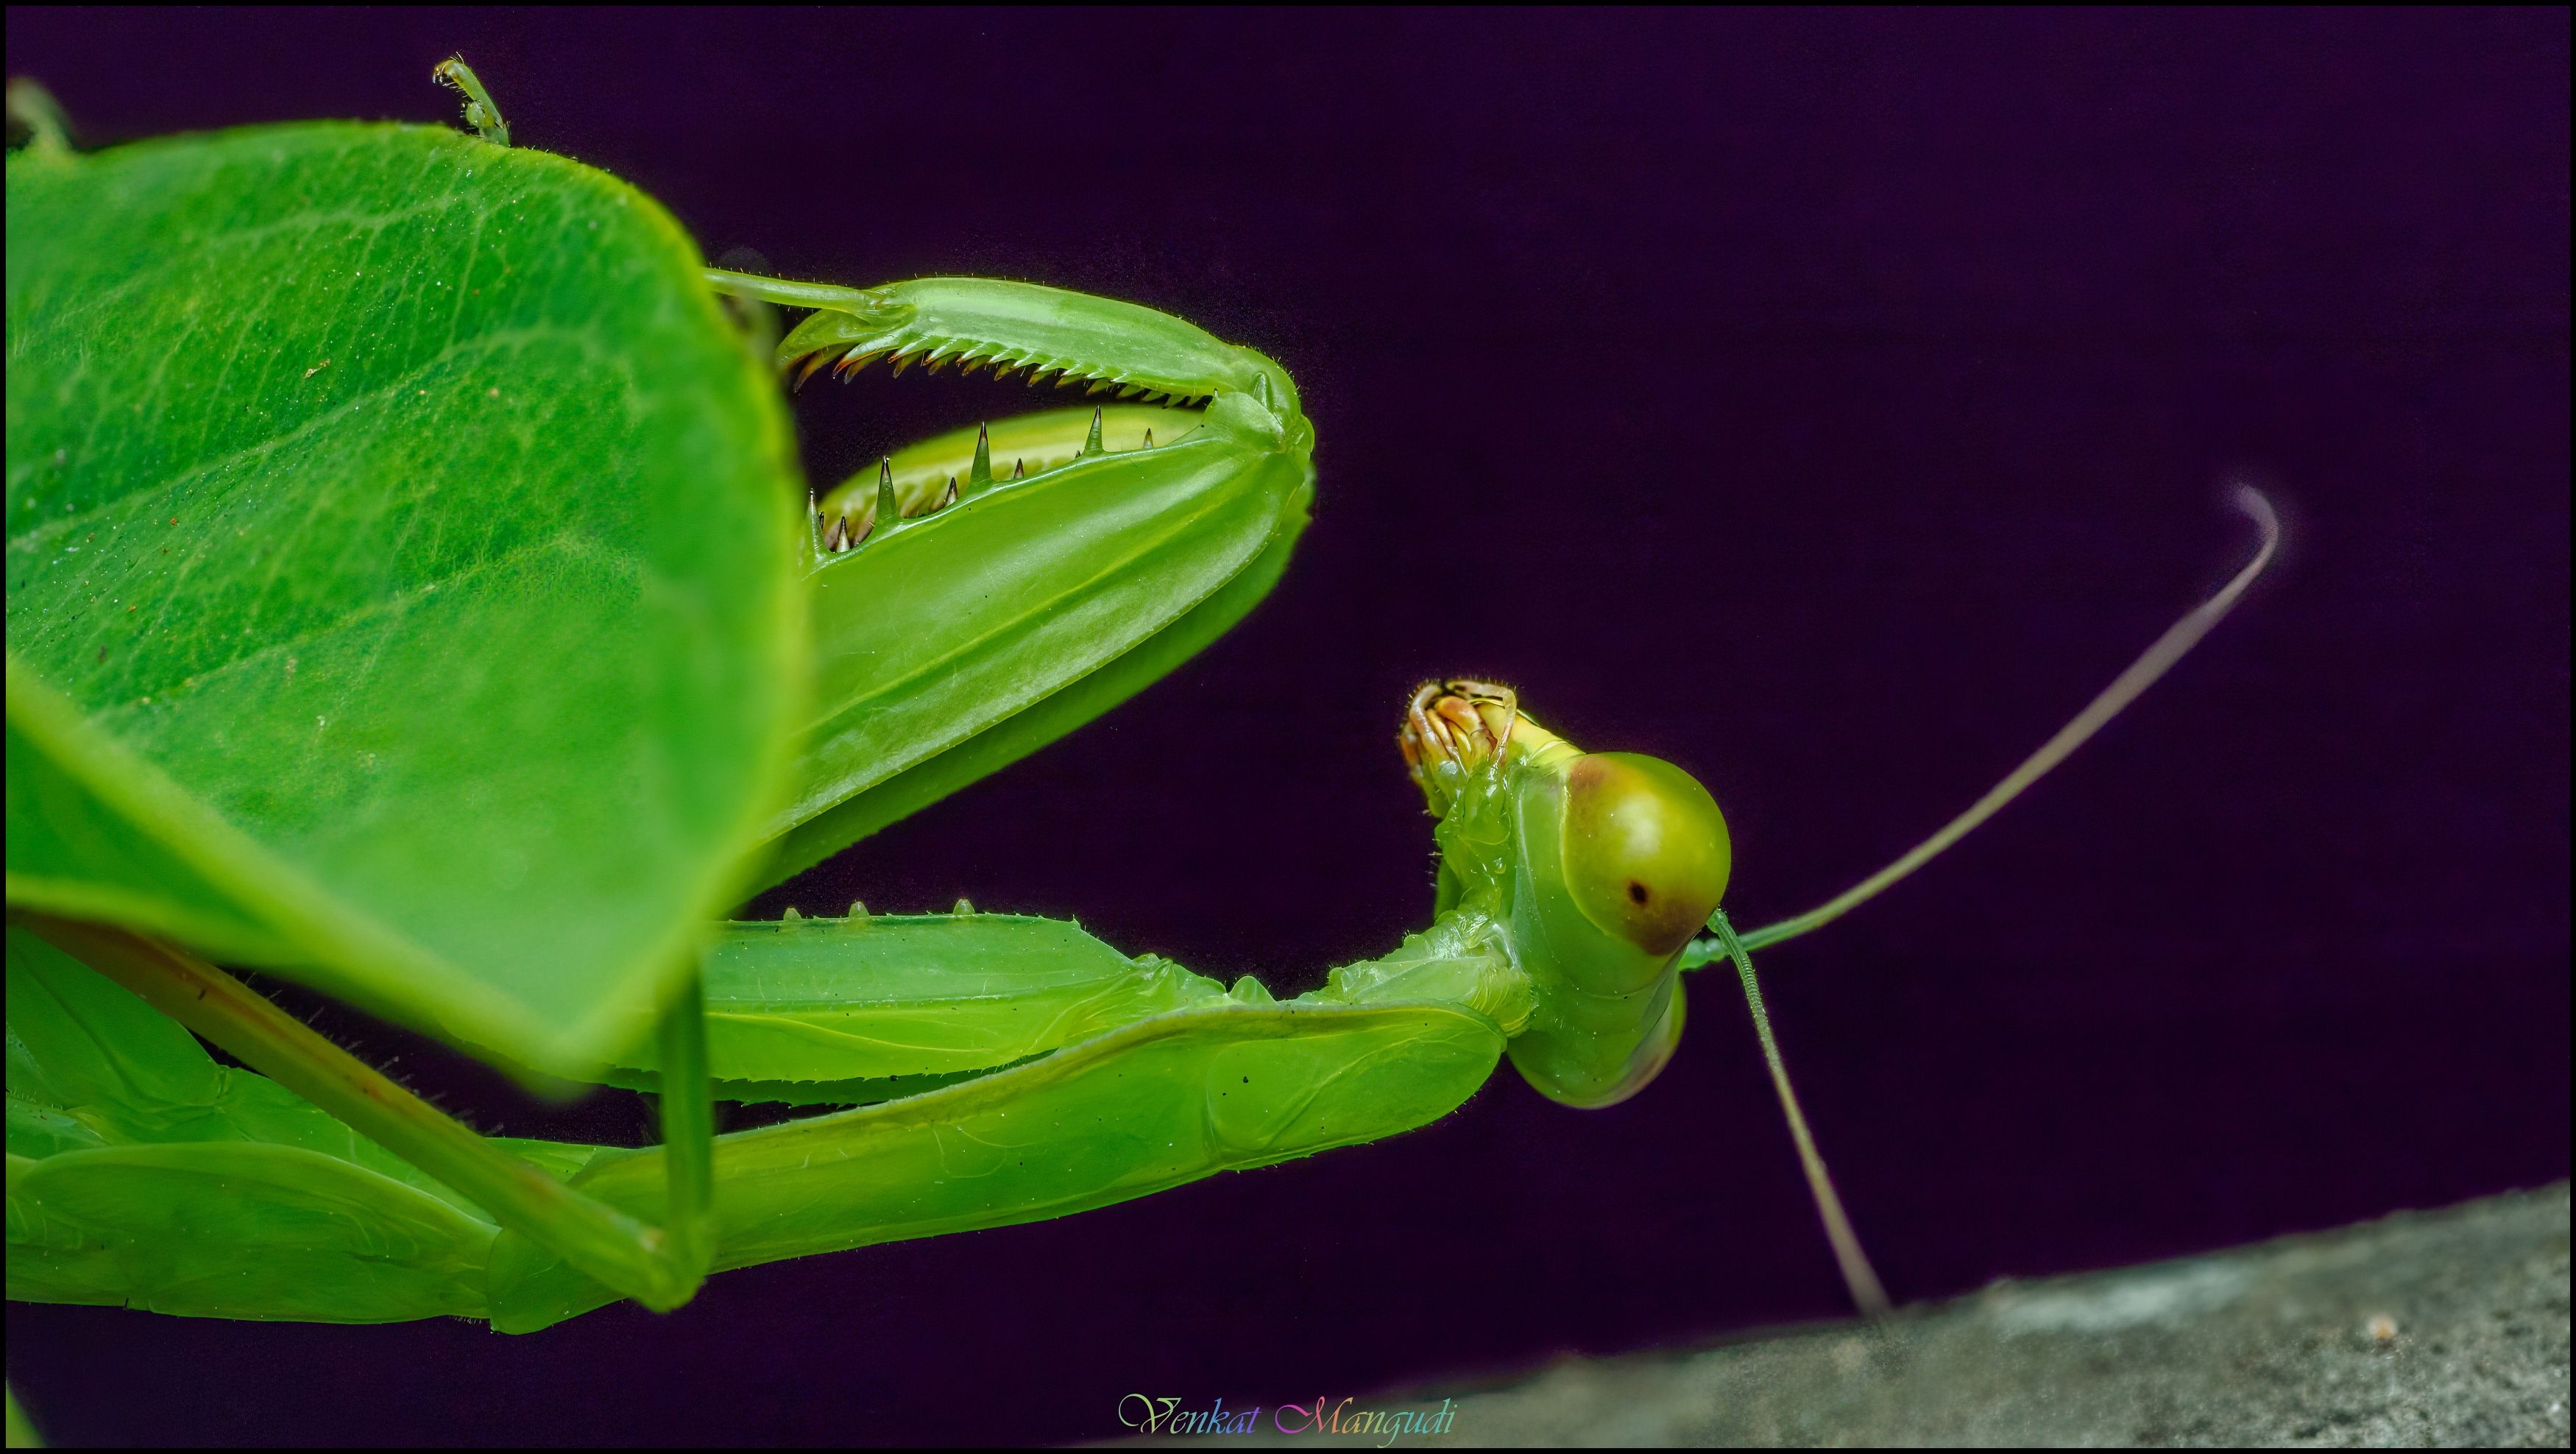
[[1858, 1275], [1723, 942], [2125, 688]]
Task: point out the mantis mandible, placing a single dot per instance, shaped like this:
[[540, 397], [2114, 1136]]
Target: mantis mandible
[[987, 1069]]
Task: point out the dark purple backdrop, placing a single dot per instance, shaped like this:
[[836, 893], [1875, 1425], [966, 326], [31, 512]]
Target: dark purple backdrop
[[1828, 402]]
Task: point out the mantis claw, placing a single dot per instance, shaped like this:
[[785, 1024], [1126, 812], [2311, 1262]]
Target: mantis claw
[[1081, 518]]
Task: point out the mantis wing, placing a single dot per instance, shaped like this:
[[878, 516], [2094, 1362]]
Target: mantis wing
[[238, 1229], [143, 1174]]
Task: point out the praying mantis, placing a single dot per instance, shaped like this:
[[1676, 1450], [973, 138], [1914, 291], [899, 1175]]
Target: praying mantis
[[964, 601]]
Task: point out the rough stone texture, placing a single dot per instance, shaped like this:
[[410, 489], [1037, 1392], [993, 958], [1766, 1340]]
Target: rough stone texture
[[2446, 1327]]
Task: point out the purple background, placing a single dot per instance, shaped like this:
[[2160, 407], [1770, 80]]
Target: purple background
[[1828, 402]]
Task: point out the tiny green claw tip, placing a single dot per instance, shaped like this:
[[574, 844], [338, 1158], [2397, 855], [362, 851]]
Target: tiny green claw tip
[[481, 112], [34, 110], [979, 475], [889, 509]]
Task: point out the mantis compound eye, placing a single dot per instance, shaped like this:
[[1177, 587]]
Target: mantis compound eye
[[1644, 849]]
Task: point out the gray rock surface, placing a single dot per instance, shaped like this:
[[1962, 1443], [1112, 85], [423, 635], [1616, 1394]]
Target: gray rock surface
[[2446, 1327]]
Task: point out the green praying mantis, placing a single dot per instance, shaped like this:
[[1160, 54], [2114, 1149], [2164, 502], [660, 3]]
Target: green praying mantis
[[967, 600]]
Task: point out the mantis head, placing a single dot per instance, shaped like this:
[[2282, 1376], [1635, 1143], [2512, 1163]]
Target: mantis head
[[1598, 866]]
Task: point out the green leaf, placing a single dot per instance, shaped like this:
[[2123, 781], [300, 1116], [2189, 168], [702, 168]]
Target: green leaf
[[399, 586], [22, 1431]]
